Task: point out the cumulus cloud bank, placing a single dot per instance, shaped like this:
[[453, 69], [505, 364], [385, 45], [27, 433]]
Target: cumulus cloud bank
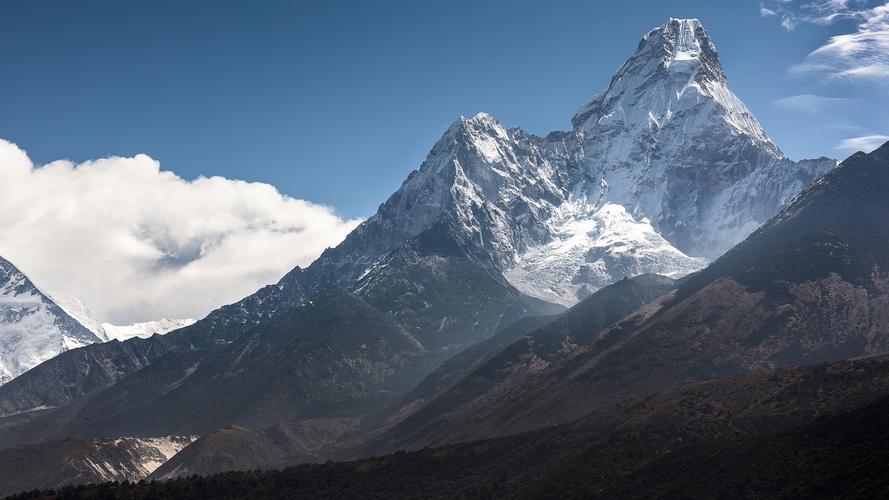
[[137, 243]]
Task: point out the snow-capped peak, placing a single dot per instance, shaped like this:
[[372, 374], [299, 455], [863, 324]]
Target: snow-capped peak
[[675, 74], [33, 328]]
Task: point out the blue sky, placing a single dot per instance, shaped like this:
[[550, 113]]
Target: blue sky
[[335, 102]]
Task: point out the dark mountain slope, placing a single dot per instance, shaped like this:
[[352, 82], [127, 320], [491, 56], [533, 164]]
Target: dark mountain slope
[[81, 371], [513, 365], [456, 368], [334, 355], [134, 393], [236, 448]]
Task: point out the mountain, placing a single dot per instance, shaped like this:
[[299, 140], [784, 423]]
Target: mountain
[[33, 328], [78, 461], [810, 286], [812, 432]]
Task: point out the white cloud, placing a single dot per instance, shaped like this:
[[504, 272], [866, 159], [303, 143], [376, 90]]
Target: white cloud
[[865, 143], [810, 104], [860, 56], [766, 12], [137, 243]]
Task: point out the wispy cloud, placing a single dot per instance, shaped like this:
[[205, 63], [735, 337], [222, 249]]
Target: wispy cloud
[[865, 143], [810, 103], [135, 242], [860, 56], [844, 126]]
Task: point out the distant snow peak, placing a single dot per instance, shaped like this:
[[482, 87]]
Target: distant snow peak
[[107, 331], [145, 329]]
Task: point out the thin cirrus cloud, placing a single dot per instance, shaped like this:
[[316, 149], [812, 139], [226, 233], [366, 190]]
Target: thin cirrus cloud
[[866, 143], [811, 104], [136, 243], [859, 57]]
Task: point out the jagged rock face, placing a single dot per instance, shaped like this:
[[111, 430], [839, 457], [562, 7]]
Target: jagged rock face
[[33, 328]]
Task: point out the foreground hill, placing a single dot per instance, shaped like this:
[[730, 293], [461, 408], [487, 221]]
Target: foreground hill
[[815, 431]]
